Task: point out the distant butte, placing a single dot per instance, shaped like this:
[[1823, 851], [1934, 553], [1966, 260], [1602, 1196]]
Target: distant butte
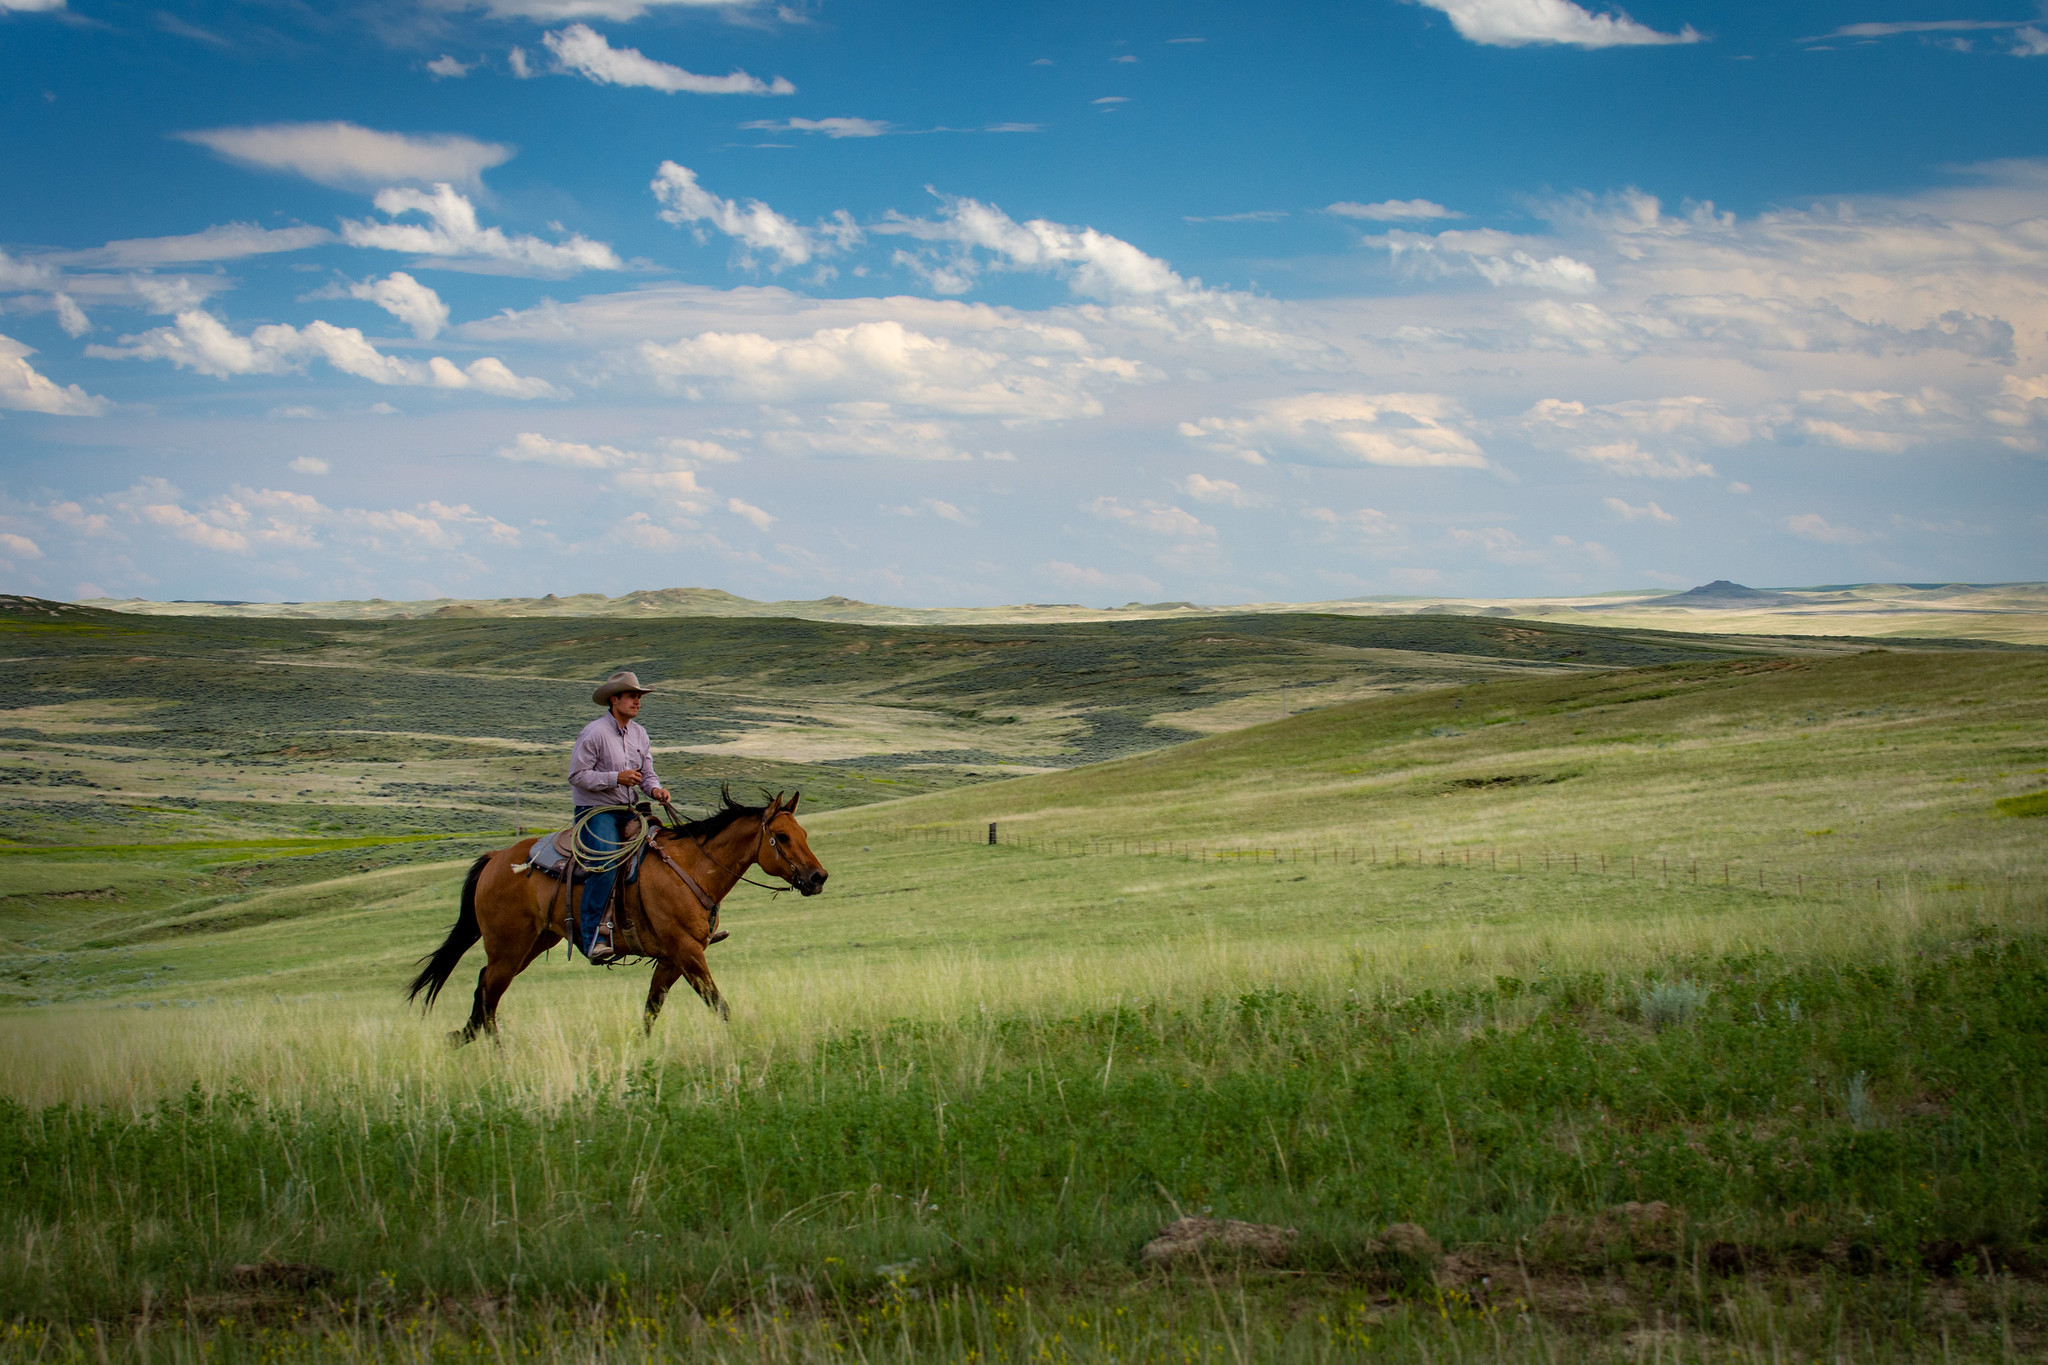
[[1723, 593]]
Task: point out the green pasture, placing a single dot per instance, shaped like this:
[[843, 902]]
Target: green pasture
[[962, 1088]]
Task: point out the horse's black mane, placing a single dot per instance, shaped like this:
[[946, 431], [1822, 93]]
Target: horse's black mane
[[728, 811]]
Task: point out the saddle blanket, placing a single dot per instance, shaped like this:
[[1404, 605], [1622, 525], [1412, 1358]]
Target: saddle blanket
[[548, 854]]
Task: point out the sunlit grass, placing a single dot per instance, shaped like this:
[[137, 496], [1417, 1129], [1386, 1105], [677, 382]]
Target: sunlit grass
[[571, 1031]]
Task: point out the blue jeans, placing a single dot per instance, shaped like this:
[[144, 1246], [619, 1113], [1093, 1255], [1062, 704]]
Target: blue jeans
[[601, 835]]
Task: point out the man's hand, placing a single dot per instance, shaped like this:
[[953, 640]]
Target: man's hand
[[658, 793], [629, 778]]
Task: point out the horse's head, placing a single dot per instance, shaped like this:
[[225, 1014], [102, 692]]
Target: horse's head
[[785, 852]]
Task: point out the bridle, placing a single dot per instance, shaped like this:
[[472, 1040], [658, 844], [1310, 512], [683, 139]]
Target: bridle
[[738, 876]]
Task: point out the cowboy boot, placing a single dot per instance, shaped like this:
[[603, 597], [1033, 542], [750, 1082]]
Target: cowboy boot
[[601, 951]]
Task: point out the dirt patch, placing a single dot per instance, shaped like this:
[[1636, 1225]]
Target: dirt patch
[[1407, 1240], [298, 1275], [1191, 1238]]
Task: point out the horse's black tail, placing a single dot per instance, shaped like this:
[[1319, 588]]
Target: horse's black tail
[[440, 964]]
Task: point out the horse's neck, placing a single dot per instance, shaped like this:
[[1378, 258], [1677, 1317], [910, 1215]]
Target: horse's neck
[[730, 852]]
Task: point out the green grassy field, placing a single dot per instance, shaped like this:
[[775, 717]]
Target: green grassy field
[[962, 1089]]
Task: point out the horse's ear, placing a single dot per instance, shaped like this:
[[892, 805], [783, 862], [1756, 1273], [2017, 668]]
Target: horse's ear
[[795, 797]]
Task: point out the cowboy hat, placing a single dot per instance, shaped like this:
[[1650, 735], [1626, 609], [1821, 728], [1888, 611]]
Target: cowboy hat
[[616, 684]]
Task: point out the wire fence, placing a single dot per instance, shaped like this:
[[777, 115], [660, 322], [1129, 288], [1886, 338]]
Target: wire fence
[[1665, 869]]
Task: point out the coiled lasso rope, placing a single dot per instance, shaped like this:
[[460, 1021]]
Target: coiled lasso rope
[[599, 860]]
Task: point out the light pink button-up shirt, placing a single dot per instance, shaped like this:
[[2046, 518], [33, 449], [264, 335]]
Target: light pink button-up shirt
[[602, 752]]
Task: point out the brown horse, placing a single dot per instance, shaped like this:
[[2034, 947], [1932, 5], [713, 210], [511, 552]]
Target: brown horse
[[688, 869]]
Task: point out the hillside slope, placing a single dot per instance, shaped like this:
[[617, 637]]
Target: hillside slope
[[207, 728], [1875, 759], [1997, 611]]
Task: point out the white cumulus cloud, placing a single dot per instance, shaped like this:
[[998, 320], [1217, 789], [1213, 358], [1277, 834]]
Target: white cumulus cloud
[[554, 11], [70, 316], [664, 474], [1093, 263], [452, 237], [584, 51], [1614, 435], [16, 273], [1518, 23], [25, 390], [349, 156], [754, 225], [1422, 430], [1649, 511], [888, 363], [17, 547], [1222, 491], [406, 299], [1500, 258], [938, 507], [244, 520], [190, 526], [530, 447], [199, 341], [679, 486], [1159, 518]]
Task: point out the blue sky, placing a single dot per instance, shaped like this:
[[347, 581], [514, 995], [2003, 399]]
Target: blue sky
[[945, 304]]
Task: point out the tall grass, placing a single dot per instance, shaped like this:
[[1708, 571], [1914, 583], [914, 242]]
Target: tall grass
[[995, 1135], [572, 1034]]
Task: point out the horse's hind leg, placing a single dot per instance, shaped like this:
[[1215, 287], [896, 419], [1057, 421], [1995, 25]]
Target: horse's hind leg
[[666, 974], [491, 983], [480, 1013]]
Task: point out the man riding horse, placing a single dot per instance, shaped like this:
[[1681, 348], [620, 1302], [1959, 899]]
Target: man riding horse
[[512, 899], [612, 757]]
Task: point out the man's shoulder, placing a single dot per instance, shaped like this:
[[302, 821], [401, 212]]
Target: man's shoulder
[[596, 727]]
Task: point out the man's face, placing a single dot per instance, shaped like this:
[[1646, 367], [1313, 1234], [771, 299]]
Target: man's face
[[626, 706]]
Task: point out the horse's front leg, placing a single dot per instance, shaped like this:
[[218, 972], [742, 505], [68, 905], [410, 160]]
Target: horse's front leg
[[666, 974], [698, 972]]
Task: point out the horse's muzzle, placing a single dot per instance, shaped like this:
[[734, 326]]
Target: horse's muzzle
[[813, 884]]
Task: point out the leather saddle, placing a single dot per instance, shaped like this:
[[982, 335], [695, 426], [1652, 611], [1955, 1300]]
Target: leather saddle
[[551, 853], [623, 926]]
